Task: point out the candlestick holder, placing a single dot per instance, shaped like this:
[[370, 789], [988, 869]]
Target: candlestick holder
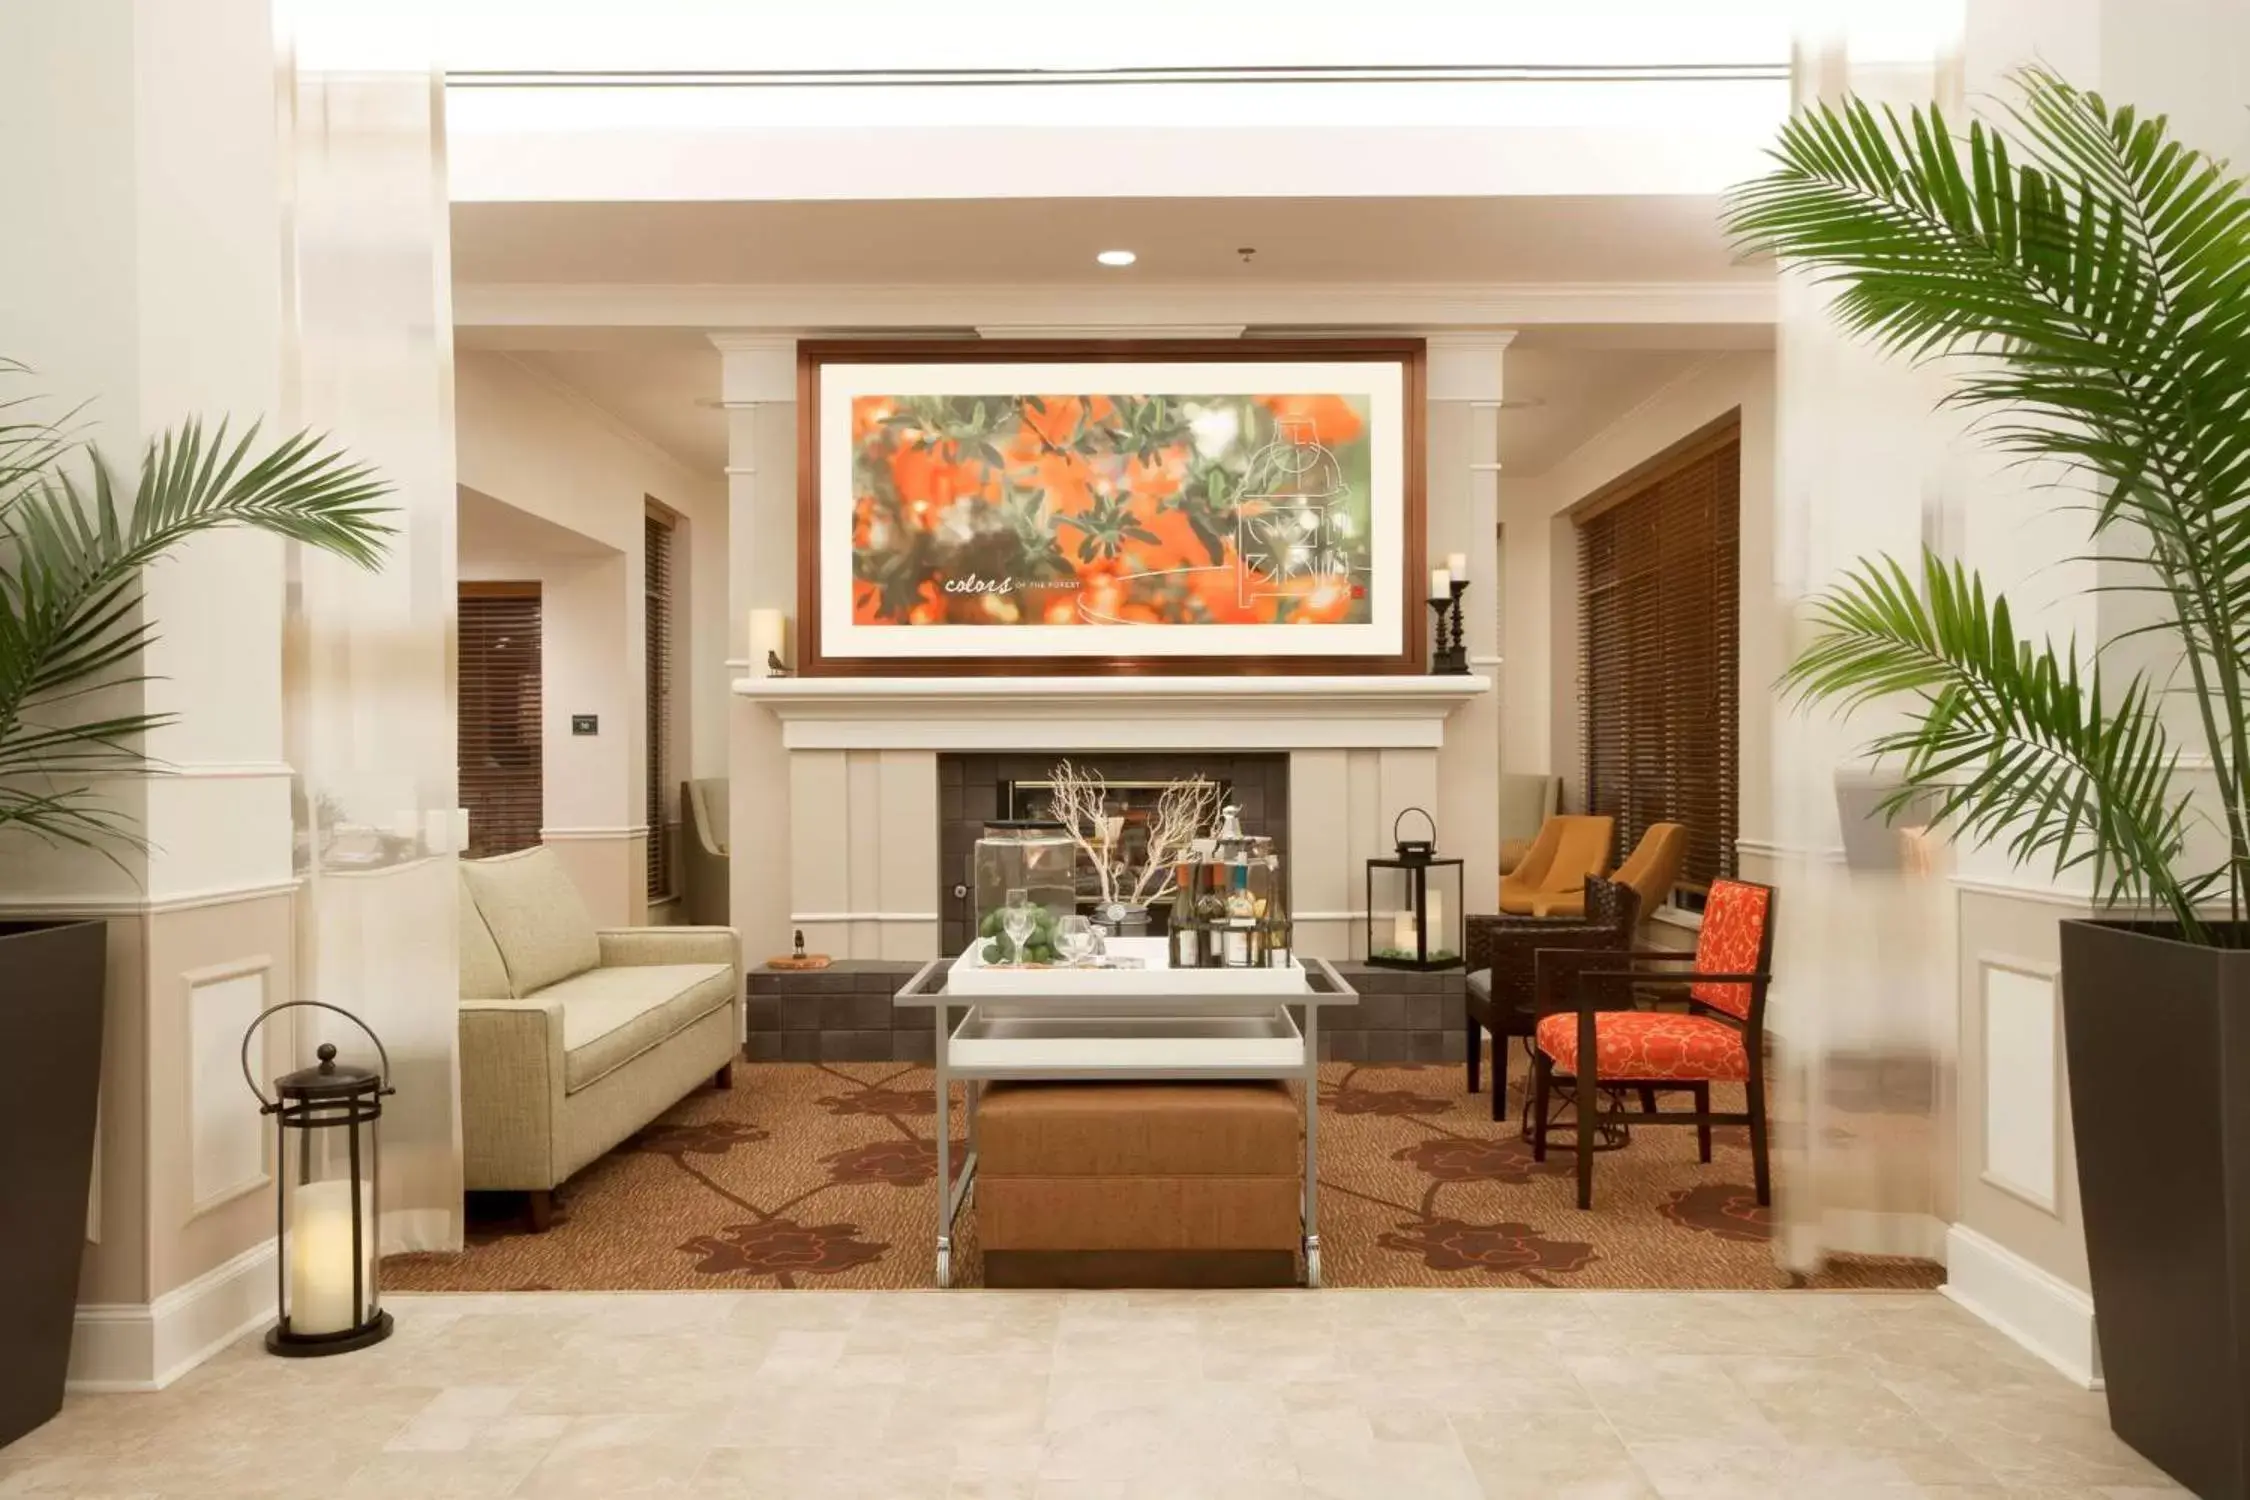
[[1452, 655], [1439, 609]]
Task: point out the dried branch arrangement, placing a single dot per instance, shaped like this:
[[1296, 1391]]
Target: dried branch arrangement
[[1080, 802]]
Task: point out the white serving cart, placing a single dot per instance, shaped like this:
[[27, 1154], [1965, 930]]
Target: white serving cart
[[995, 1022]]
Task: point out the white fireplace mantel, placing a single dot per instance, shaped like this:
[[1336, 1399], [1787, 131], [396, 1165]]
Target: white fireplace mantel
[[1371, 712]]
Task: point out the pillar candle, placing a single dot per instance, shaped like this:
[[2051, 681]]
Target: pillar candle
[[769, 632], [1441, 583], [320, 1255], [1457, 565], [1433, 902], [1402, 932]]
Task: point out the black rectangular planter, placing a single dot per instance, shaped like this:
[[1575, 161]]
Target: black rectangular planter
[[2158, 1038], [50, 1074]]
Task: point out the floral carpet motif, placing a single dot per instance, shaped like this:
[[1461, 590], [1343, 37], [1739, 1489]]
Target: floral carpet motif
[[819, 1175]]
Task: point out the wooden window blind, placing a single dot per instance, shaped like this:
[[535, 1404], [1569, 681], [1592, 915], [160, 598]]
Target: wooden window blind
[[502, 756], [657, 570], [1658, 652]]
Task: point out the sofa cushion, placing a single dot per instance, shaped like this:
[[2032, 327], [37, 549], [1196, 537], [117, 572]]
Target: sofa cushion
[[483, 975], [611, 1016], [535, 916]]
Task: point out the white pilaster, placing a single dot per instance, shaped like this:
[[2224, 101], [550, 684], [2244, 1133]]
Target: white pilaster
[[1463, 471], [758, 387]]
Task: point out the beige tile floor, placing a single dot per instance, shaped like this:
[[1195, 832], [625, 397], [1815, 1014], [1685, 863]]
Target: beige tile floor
[[1403, 1395]]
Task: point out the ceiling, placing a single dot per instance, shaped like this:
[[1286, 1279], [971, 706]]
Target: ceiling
[[988, 241], [1559, 393]]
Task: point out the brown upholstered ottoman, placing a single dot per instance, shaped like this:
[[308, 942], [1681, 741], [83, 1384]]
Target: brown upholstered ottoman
[[1139, 1184]]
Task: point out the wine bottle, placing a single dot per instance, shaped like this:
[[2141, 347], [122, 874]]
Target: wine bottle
[[1187, 948], [1278, 935], [1242, 919]]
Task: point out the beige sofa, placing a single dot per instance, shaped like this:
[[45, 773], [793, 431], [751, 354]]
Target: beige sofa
[[573, 1038]]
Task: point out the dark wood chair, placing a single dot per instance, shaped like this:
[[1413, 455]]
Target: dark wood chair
[[1588, 1036], [1501, 988]]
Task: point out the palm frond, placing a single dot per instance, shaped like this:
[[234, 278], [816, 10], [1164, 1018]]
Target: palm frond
[[2015, 743], [72, 614], [2095, 274]]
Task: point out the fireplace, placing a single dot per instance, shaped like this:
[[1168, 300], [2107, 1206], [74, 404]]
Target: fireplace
[[978, 790]]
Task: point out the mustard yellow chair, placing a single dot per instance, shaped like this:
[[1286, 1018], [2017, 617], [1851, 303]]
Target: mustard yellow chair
[[1654, 866], [1551, 881]]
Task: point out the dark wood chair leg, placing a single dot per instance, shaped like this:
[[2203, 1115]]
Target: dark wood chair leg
[[1589, 1126], [1703, 1131], [539, 1206], [1762, 1173], [1542, 1074], [1476, 1054], [724, 1078], [1648, 1100]]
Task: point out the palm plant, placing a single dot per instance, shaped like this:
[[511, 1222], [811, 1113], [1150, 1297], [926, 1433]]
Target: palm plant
[[2092, 281], [73, 542]]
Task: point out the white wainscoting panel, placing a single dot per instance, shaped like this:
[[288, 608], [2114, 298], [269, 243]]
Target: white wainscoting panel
[[2022, 1081], [226, 1135]]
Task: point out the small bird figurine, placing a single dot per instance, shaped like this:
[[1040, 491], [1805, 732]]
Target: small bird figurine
[[798, 951], [775, 666]]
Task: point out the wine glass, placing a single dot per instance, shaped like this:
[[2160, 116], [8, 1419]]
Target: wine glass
[[1075, 936], [1016, 920]]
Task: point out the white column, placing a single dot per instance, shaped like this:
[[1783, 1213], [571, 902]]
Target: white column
[[1463, 473], [370, 667], [758, 386], [144, 278]]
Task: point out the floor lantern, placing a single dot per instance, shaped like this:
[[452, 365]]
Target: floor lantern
[[1414, 904], [327, 1165]]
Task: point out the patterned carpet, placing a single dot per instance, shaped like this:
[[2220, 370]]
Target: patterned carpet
[[823, 1176]]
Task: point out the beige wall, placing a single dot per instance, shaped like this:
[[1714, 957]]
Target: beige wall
[[1539, 710], [540, 449]]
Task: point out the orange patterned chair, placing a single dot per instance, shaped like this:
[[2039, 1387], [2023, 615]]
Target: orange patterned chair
[[1585, 1038]]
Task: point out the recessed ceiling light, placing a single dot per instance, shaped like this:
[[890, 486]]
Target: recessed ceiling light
[[1117, 257]]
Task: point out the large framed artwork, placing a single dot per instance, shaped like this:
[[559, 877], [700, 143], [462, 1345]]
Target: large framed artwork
[[1103, 506]]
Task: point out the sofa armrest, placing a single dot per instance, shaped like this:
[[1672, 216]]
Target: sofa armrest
[[624, 947], [511, 1092]]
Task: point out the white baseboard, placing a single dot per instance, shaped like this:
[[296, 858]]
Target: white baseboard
[[123, 1346], [2039, 1310]]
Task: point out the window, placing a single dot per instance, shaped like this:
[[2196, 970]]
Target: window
[[501, 755], [1658, 632], [657, 570]]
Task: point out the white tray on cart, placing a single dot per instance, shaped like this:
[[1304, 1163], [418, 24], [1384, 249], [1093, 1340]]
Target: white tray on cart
[[971, 975]]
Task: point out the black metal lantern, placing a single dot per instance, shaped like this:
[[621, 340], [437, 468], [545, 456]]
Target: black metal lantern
[[327, 1166], [1414, 904]]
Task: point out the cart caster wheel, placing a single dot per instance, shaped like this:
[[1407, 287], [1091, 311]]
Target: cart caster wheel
[[944, 1266], [1312, 1268]]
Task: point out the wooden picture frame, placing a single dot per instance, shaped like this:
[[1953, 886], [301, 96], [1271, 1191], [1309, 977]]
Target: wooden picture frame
[[1381, 650]]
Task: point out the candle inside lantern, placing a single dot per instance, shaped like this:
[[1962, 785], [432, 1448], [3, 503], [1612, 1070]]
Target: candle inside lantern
[[1433, 903], [1402, 932], [1441, 584], [1457, 566], [320, 1256], [769, 636]]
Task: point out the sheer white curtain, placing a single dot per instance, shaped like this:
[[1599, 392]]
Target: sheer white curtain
[[1863, 1012], [369, 656]]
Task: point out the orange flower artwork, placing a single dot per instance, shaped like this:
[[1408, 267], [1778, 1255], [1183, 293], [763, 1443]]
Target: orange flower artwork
[[1091, 509]]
